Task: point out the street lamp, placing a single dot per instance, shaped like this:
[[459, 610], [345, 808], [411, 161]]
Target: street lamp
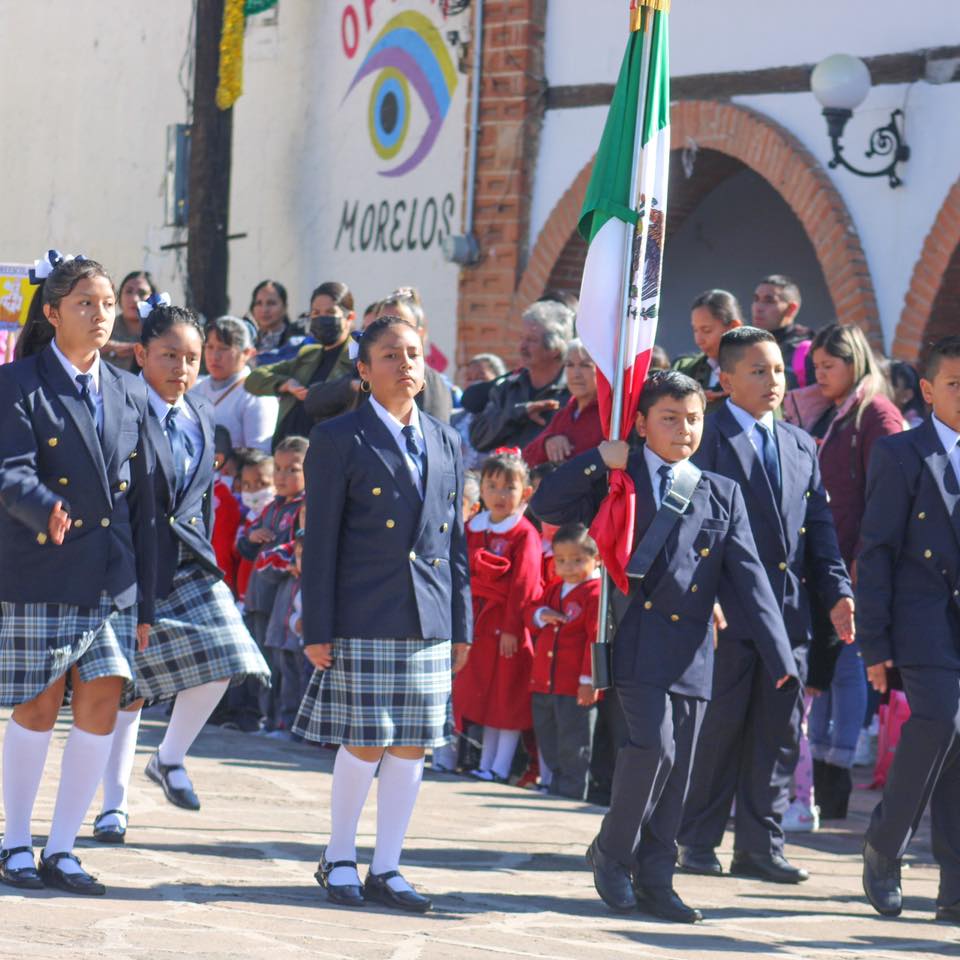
[[841, 83]]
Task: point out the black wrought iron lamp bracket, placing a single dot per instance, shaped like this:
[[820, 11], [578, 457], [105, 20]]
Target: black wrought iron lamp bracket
[[885, 141]]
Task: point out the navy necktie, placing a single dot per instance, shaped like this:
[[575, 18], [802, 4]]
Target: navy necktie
[[666, 481], [83, 380], [180, 447], [769, 458], [413, 447]]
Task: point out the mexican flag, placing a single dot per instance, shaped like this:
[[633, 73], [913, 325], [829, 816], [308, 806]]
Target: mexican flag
[[623, 220]]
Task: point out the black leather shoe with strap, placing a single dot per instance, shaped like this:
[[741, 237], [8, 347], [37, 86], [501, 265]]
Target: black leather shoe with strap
[[158, 772], [110, 832], [26, 878], [79, 882], [343, 894], [377, 888]]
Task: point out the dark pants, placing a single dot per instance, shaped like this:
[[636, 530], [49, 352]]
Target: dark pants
[[925, 768], [250, 702], [650, 781], [291, 674], [564, 733], [748, 749]]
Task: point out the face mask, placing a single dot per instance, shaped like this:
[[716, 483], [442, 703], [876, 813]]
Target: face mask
[[327, 329], [255, 502]]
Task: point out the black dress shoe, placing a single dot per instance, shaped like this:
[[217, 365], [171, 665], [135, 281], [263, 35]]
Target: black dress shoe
[[110, 832], [26, 878], [663, 902], [377, 888], [949, 914], [611, 879], [342, 894], [82, 882], [704, 863], [179, 796], [773, 867], [881, 882]]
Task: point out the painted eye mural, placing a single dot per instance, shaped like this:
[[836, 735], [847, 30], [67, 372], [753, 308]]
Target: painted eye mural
[[409, 52]]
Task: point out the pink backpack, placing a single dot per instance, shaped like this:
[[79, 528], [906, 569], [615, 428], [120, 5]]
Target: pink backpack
[[893, 716]]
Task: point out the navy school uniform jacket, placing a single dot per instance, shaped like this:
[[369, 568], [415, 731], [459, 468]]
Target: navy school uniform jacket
[[189, 518], [665, 638], [908, 567], [378, 561], [795, 537], [50, 452]]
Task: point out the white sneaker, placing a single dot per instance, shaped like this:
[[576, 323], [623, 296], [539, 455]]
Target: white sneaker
[[800, 818]]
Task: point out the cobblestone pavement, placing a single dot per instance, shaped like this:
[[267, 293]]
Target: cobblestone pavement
[[505, 867]]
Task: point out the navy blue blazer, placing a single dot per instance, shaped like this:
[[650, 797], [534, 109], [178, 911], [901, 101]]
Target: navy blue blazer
[[378, 561], [49, 452], [665, 638], [795, 537], [908, 567], [189, 519]]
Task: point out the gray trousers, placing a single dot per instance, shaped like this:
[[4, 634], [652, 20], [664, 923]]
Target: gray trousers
[[564, 734], [650, 781], [925, 768]]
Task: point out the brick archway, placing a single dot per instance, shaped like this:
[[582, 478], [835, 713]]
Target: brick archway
[[775, 154], [935, 277]]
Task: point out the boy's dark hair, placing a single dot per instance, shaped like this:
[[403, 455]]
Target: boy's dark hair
[[338, 292], [786, 287], [944, 347], [293, 444], [669, 383], [508, 462], [375, 331], [162, 319], [542, 470], [253, 457], [578, 534], [734, 343], [722, 304], [38, 331]]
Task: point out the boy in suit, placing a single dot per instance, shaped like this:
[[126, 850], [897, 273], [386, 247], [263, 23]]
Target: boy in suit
[[908, 617], [751, 731], [663, 649]]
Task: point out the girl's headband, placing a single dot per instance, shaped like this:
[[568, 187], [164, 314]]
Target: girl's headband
[[146, 307]]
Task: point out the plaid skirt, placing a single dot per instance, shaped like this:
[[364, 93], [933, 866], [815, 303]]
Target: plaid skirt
[[380, 693], [198, 636], [40, 642]]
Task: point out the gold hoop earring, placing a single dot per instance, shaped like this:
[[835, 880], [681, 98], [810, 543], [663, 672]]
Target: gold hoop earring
[[364, 386]]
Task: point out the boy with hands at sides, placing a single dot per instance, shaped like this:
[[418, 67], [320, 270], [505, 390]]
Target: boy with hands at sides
[[751, 731], [908, 617], [663, 647]]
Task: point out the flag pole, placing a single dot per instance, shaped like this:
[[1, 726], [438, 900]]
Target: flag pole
[[602, 673]]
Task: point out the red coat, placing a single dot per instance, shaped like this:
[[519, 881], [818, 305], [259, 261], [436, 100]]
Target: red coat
[[584, 432], [226, 521], [562, 651], [504, 578]]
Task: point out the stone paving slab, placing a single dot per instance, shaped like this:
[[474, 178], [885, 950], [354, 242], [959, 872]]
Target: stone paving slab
[[505, 867]]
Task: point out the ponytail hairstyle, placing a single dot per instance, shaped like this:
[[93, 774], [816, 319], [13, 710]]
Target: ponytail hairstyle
[[158, 315], [367, 338], [54, 276]]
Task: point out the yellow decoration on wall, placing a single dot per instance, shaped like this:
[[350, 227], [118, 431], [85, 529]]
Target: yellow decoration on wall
[[231, 54]]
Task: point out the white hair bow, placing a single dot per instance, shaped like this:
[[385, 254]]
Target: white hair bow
[[146, 307], [51, 260]]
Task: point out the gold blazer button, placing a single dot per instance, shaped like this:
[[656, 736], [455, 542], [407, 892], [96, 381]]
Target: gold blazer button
[[391, 524]]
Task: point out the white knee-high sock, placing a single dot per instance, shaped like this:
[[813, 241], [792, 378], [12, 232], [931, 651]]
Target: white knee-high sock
[[506, 748], [351, 784], [81, 770], [488, 749], [191, 710], [24, 754], [397, 790], [116, 778]]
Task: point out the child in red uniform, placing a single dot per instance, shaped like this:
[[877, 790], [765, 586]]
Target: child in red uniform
[[505, 563], [226, 510], [565, 622]]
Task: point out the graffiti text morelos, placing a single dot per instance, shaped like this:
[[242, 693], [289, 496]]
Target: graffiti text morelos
[[393, 226]]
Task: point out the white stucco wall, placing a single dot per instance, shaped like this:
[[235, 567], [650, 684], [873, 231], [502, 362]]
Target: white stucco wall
[[744, 35]]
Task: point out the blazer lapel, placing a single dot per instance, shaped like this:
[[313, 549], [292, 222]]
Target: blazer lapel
[[645, 502], [433, 483], [380, 440], [164, 455], [206, 454], [114, 405], [941, 469], [66, 391], [791, 478]]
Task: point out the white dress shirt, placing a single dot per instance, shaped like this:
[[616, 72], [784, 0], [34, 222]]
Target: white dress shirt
[[654, 463], [187, 423], [396, 431], [94, 385], [949, 438], [750, 425]]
